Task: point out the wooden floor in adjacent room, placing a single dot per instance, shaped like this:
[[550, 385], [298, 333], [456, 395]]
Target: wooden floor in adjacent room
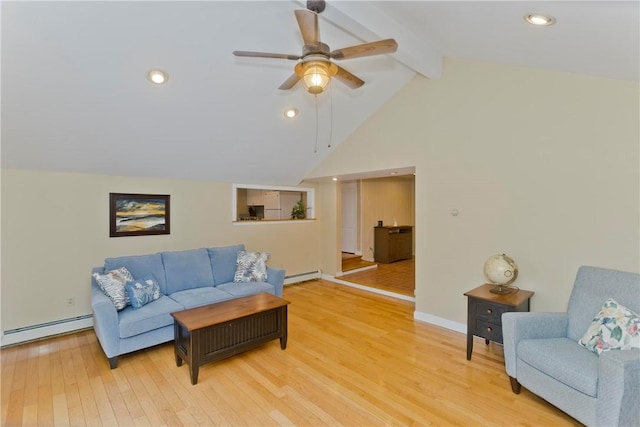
[[353, 358], [397, 277]]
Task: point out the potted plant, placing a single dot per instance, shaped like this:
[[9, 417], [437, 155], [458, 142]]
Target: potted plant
[[298, 211]]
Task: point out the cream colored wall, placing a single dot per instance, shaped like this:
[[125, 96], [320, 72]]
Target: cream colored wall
[[385, 199], [55, 228], [330, 223], [543, 166]]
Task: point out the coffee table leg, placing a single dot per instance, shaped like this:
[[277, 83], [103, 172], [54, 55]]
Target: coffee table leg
[[193, 372], [176, 342], [283, 320], [194, 356]]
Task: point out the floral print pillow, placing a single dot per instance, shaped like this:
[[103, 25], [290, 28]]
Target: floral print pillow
[[142, 292], [615, 327]]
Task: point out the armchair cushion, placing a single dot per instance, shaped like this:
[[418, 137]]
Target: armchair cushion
[[564, 360]]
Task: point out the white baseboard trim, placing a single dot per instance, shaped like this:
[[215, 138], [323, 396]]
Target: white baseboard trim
[[440, 321], [38, 332], [302, 277], [368, 289], [356, 270]]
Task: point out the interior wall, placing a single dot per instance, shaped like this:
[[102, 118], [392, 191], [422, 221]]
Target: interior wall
[[385, 199], [541, 165], [55, 228], [330, 223]]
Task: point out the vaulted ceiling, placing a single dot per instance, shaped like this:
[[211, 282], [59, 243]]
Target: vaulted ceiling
[[75, 96]]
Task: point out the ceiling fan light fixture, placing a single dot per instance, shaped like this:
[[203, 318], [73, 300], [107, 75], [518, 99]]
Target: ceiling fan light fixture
[[539, 20], [316, 76]]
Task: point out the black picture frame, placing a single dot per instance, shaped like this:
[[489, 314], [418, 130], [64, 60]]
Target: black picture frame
[[139, 214]]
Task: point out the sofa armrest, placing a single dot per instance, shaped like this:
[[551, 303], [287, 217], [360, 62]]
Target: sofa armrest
[[517, 326], [618, 388], [275, 276], [105, 321]]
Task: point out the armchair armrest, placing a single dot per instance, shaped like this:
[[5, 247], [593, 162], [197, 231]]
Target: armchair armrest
[[517, 326], [275, 276], [618, 388]]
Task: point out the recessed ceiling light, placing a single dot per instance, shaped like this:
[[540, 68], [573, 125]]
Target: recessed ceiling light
[[539, 20], [157, 76], [290, 113], [335, 179]]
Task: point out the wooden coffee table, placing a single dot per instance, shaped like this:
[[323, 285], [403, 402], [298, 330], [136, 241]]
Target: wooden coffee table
[[216, 331]]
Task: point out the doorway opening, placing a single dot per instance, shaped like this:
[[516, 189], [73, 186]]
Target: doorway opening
[[366, 203]]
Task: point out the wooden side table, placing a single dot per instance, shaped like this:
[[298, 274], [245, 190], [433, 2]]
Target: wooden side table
[[484, 315]]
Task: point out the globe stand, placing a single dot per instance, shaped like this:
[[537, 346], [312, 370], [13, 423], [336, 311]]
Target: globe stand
[[502, 289]]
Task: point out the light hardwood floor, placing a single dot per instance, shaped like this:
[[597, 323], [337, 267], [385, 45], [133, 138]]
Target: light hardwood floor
[[353, 358]]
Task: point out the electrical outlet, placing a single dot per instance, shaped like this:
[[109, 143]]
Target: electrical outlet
[[71, 301]]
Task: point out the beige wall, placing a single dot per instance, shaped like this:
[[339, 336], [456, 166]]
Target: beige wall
[[543, 166], [385, 199], [55, 229]]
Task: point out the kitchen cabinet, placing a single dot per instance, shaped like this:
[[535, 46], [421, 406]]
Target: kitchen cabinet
[[271, 204], [255, 197]]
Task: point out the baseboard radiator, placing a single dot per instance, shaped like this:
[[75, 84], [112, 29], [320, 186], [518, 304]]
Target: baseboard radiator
[[302, 277], [43, 330]]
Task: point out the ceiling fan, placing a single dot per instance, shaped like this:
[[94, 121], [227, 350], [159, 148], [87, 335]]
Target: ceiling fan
[[315, 68]]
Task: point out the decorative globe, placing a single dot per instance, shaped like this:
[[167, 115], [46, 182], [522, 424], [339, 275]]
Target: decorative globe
[[501, 270]]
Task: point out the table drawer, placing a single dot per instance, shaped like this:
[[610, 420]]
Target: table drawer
[[491, 313], [489, 331]]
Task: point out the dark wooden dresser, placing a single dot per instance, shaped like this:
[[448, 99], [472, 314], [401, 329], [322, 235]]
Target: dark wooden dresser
[[393, 243]]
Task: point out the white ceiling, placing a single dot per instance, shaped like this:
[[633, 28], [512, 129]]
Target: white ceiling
[[75, 97]]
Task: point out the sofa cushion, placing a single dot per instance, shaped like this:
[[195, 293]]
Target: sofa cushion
[[140, 266], [142, 292], [247, 288], [614, 327], [147, 318], [562, 359], [112, 283], [251, 267], [223, 262], [200, 296], [187, 270]]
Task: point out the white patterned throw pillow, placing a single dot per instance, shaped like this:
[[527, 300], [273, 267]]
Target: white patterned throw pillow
[[251, 267], [615, 327], [112, 284]]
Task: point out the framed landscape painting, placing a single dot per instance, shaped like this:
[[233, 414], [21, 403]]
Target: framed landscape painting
[[138, 214]]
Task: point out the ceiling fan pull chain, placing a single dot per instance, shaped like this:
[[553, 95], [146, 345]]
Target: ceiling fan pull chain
[[315, 148], [330, 115]]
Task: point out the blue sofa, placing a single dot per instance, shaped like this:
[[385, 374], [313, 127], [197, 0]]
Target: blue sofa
[[186, 279], [542, 353]]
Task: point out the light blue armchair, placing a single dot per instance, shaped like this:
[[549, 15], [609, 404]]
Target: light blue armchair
[[542, 353]]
